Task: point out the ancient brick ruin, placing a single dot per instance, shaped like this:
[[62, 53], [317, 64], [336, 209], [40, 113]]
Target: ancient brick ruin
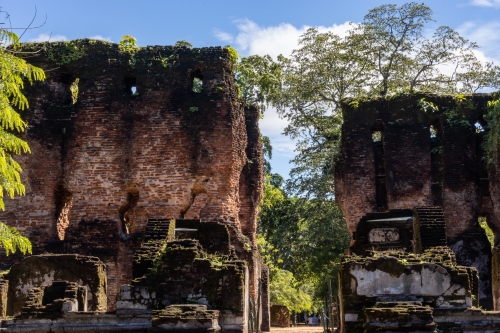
[[412, 183], [145, 163]]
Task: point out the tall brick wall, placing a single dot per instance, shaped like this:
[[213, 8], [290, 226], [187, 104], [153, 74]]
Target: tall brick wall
[[422, 170], [118, 157]]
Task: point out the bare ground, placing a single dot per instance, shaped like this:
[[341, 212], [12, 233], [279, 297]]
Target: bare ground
[[298, 329]]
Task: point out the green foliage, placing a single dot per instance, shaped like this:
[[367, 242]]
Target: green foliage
[[12, 240], [128, 44], [217, 260], [170, 61], [489, 233], [13, 72], [491, 143], [74, 90], [257, 79], [267, 151], [233, 54], [272, 194], [299, 238], [427, 106], [193, 108], [354, 104], [284, 287], [387, 54], [65, 52], [183, 43], [197, 85]]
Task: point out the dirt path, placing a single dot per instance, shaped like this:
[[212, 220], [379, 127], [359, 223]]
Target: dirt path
[[298, 329]]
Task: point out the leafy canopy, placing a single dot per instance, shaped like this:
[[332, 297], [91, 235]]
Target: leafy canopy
[[301, 241], [183, 43], [386, 54], [128, 44], [491, 143], [13, 72]]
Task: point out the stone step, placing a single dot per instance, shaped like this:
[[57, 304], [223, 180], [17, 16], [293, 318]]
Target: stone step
[[431, 226]]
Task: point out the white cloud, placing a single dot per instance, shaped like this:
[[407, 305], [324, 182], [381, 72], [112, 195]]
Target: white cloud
[[223, 36], [486, 3], [283, 39], [49, 38], [99, 37], [486, 36], [273, 40], [272, 126]]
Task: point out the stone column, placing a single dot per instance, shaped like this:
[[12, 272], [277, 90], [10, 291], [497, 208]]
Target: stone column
[[266, 319]]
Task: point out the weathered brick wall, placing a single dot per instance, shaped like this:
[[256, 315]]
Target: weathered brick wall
[[118, 157], [280, 316], [419, 170], [401, 277], [41, 271]]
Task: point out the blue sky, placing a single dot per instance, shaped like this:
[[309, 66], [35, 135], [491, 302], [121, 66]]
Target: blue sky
[[253, 27]]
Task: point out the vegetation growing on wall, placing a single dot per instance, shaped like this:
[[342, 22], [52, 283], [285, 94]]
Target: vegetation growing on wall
[[386, 55], [65, 52], [301, 240], [128, 44], [491, 143]]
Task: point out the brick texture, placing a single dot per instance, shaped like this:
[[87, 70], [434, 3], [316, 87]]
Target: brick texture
[[102, 167], [412, 168]]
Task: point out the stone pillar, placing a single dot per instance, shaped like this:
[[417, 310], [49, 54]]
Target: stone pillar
[[495, 277], [4, 287], [266, 319]]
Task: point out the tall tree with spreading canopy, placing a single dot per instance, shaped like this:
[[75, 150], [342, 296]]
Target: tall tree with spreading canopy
[[14, 71], [386, 54]]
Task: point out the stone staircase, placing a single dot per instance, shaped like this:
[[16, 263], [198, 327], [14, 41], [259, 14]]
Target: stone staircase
[[158, 233], [429, 227]]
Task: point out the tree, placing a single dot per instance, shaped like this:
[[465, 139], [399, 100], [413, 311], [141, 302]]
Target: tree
[[183, 43], [283, 286], [13, 72], [403, 57], [301, 240], [384, 55]]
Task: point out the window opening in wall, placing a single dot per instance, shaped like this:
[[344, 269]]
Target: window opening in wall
[[197, 85], [74, 90], [131, 86], [377, 136], [64, 203], [197, 81], [479, 127], [437, 171], [489, 233], [433, 131], [379, 154], [127, 211]]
